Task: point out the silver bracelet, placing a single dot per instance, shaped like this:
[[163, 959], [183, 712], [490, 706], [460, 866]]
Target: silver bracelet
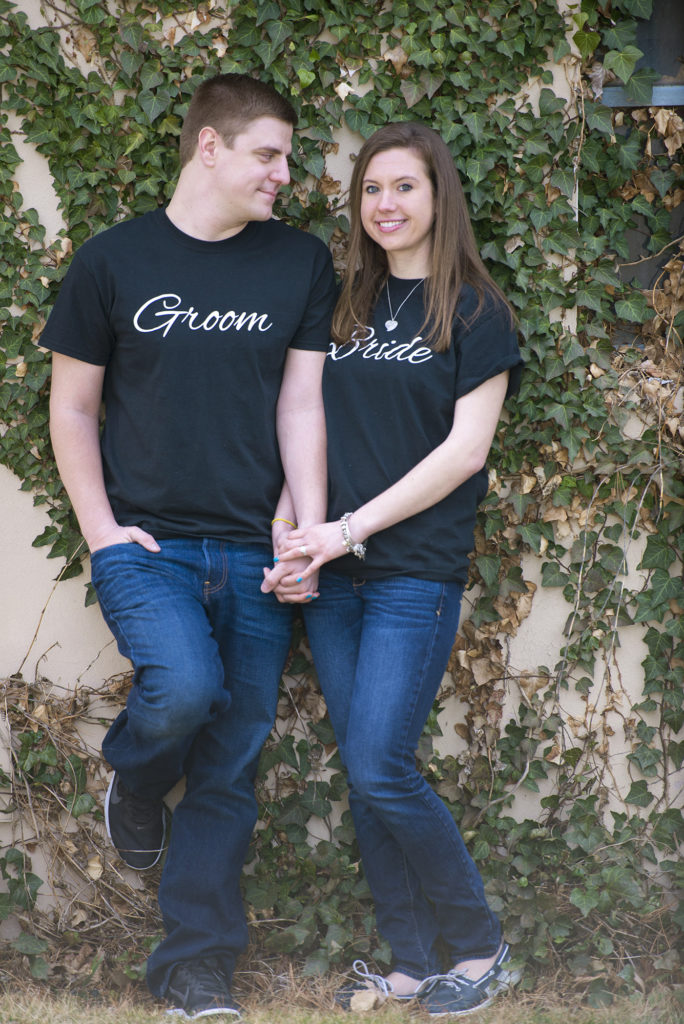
[[354, 549]]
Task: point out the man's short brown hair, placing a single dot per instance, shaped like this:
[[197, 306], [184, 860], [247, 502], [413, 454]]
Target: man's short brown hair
[[229, 103]]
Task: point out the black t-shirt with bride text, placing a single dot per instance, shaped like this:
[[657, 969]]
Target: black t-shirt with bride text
[[194, 337], [389, 402]]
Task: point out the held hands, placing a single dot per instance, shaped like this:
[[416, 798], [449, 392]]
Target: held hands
[[319, 544], [287, 580]]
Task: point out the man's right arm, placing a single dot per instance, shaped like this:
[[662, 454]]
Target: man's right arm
[[75, 398]]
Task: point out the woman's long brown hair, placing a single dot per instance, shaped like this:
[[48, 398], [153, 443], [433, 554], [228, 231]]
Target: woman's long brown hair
[[455, 257]]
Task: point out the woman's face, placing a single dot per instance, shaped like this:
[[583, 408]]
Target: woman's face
[[397, 210]]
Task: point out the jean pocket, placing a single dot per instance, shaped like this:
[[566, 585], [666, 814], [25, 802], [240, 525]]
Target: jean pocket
[[114, 557], [103, 554]]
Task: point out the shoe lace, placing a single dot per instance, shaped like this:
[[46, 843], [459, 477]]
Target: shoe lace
[[376, 980], [452, 978]]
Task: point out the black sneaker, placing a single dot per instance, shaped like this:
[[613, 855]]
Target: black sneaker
[[198, 988], [136, 825]]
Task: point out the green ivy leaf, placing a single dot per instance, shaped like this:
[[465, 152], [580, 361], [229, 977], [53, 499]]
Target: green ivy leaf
[[131, 33], [549, 103], [306, 77], [81, 804], [154, 103], [561, 414], [489, 566], [130, 62], [476, 122], [585, 900], [640, 86], [564, 179], [357, 121], [586, 42], [30, 945], [674, 717], [639, 8], [478, 168], [622, 62], [633, 308], [599, 118], [639, 794], [151, 76], [619, 34], [658, 554], [663, 180], [413, 91], [553, 575], [39, 969], [561, 49]]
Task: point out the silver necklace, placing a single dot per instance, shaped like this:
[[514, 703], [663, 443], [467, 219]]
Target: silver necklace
[[391, 324]]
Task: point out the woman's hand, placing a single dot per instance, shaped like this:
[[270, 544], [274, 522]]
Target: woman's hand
[[320, 544]]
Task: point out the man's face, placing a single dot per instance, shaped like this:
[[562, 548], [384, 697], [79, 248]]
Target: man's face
[[253, 169]]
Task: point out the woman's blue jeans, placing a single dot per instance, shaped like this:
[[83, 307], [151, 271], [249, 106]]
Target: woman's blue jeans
[[208, 649], [381, 648]]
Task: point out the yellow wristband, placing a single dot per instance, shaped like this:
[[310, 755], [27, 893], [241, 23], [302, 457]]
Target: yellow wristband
[[278, 519]]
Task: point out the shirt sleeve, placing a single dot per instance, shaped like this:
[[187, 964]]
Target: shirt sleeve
[[487, 346], [79, 325], [313, 332]]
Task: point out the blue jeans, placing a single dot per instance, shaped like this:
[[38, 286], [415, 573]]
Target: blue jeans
[[381, 648], [208, 649]]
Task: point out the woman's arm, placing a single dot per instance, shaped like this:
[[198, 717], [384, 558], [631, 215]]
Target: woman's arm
[[463, 453]]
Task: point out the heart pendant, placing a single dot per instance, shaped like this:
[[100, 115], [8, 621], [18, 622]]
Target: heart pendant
[[390, 325]]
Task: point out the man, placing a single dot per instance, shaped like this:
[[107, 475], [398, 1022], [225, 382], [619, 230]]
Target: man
[[204, 328]]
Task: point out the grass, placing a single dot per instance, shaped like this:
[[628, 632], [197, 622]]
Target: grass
[[38, 1007]]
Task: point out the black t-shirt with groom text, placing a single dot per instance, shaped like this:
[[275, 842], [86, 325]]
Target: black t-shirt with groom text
[[194, 337]]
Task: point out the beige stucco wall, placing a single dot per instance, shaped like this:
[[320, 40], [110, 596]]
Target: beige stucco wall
[[45, 628]]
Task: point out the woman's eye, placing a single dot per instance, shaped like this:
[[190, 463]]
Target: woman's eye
[[371, 189], [405, 187]]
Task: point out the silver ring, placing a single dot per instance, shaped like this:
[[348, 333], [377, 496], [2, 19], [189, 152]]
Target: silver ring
[[303, 549]]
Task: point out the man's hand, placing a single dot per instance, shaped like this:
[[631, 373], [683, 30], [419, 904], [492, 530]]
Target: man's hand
[[123, 535], [286, 581]]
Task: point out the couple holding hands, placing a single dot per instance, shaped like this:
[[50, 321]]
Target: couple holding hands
[[238, 436]]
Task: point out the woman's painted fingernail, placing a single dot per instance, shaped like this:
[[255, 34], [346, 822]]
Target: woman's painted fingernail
[[309, 597], [275, 558], [299, 579]]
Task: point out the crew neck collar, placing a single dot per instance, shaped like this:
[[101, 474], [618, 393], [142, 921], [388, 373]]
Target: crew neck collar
[[191, 242]]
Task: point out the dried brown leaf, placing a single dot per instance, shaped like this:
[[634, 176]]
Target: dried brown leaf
[[398, 57]]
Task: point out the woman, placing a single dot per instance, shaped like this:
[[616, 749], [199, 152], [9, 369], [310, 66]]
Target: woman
[[424, 353]]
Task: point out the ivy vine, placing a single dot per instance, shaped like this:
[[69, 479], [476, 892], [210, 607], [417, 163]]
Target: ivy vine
[[586, 482]]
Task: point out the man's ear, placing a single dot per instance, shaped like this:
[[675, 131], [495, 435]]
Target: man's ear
[[207, 145]]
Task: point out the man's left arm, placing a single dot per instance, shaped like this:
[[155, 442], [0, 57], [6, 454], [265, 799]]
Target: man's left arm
[[300, 424]]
